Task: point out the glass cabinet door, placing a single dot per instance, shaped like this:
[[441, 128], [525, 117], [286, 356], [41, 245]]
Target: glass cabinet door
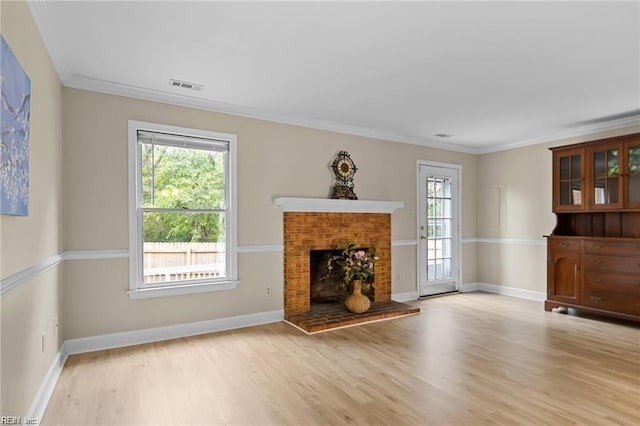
[[568, 193], [606, 177], [633, 174]]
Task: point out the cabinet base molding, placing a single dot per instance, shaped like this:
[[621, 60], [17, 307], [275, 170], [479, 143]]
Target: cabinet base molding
[[551, 305]]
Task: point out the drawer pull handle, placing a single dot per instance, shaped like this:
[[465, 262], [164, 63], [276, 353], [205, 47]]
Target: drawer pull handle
[[596, 279], [564, 245], [596, 261], [595, 299], [597, 246]]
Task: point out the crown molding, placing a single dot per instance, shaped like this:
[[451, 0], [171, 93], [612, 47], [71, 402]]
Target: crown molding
[[136, 92], [585, 130], [114, 88]]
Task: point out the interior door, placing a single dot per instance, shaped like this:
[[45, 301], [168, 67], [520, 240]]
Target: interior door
[[438, 229]]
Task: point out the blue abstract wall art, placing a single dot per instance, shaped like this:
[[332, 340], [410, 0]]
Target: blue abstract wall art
[[14, 134]]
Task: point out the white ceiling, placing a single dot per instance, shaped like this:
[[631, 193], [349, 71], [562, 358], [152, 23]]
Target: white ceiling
[[492, 74]]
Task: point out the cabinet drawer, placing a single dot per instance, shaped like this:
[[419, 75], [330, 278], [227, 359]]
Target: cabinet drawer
[[624, 284], [564, 244], [611, 301], [627, 265], [624, 248]]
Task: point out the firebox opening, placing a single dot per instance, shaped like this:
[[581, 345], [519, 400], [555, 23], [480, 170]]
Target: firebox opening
[[326, 286]]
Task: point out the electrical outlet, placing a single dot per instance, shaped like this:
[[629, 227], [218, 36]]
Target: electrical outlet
[[43, 339], [398, 277], [268, 291]]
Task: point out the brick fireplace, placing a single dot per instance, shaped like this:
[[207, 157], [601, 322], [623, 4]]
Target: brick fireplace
[[321, 224], [306, 231]]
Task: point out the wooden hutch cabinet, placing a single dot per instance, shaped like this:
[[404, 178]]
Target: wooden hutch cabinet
[[593, 254]]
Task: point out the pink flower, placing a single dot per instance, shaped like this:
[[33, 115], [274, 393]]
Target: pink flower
[[360, 254]]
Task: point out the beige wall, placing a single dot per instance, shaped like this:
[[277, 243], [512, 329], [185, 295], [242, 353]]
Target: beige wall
[[28, 311], [273, 160], [524, 176]]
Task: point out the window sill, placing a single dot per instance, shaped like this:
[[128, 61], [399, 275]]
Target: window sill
[[178, 290]]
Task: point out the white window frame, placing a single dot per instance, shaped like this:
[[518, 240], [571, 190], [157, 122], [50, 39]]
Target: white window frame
[[137, 290]]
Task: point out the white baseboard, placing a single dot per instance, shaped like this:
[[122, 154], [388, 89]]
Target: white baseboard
[[40, 402], [405, 297], [477, 286], [507, 291], [466, 287], [157, 334]]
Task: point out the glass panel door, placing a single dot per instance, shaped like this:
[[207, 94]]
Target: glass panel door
[[439, 234], [607, 180], [438, 230], [570, 180], [633, 185]]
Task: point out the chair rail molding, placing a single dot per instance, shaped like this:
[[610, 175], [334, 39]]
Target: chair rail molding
[[515, 241], [96, 254], [14, 281]]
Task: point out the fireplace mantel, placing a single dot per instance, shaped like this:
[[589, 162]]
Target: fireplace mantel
[[325, 205]]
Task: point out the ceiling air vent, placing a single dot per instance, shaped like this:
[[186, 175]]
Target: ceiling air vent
[[185, 85], [443, 135]]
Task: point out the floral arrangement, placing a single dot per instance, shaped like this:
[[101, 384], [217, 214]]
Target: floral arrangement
[[353, 263]]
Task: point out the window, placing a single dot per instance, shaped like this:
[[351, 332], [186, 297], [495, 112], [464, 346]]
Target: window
[[182, 210], [439, 232]]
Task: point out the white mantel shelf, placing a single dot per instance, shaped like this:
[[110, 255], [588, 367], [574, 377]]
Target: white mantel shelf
[[326, 205]]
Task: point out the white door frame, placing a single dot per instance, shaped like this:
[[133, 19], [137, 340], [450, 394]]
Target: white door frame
[[458, 194]]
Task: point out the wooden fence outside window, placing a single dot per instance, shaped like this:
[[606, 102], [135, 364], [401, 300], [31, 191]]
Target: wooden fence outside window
[[183, 261]]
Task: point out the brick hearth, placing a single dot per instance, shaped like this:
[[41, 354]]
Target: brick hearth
[[325, 316]]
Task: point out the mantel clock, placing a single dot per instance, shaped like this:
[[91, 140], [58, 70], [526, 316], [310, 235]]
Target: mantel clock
[[344, 168]]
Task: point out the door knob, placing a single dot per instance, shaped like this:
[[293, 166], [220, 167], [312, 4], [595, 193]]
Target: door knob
[[422, 237]]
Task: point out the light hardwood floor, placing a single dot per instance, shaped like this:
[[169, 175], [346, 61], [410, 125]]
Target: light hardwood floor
[[466, 359]]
